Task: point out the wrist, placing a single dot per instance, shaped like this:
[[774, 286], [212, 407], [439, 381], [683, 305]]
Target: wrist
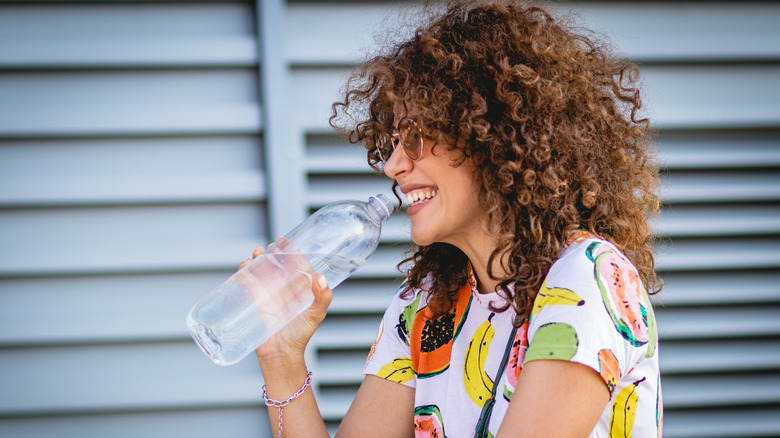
[[282, 372]]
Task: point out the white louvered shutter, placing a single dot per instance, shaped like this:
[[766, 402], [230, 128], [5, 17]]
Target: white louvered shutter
[[134, 176]]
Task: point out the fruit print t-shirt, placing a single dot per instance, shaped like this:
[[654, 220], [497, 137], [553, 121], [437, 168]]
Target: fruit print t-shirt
[[591, 309]]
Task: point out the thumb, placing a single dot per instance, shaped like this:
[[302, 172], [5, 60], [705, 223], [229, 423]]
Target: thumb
[[323, 296]]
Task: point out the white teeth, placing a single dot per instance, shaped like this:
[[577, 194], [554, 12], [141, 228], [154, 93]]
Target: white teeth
[[420, 197]]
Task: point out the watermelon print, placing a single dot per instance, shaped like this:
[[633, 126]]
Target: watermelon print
[[516, 357], [428, 422], [622, 293]]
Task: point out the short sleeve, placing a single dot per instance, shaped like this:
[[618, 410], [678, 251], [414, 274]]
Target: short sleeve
[[390, 356], [592, 309]]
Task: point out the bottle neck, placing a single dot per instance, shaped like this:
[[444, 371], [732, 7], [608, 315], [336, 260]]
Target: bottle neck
[[379, 208]]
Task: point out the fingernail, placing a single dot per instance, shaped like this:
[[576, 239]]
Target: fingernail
[[322, 282]]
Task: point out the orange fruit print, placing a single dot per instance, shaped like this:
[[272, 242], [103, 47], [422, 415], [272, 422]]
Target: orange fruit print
[[431, 338]]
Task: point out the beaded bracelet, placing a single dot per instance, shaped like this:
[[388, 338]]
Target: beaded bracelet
[[282, 403]]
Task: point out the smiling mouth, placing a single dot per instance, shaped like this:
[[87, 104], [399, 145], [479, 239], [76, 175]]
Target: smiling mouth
[[418, 197]]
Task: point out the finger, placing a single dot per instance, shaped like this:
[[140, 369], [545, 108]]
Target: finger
[[323, 295], [258, 251], [244, 263], [282, 242]]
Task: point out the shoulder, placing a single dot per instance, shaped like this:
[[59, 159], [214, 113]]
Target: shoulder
[[588, 257], [606, 287]]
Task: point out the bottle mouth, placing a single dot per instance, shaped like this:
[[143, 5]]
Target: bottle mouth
[[382, 205]]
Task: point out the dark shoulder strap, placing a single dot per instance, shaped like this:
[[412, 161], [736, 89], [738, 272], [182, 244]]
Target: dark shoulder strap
[[487, 409]]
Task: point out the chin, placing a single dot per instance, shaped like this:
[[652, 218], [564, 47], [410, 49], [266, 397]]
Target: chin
[[420, 239]]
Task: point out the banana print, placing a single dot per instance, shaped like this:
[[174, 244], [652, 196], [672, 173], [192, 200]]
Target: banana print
[[399, 370], [624, 411], [555, 297], [479, 385]]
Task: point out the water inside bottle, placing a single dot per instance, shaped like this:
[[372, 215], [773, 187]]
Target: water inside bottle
[[257, 301]]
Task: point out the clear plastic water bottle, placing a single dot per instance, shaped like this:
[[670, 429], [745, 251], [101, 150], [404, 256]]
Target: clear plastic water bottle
[[258, 300]]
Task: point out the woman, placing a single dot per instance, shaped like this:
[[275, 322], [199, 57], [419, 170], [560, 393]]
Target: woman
[[518, 146]]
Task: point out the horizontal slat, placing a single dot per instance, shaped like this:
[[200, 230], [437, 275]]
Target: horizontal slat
[[67, 103], [341, 367], [684, 254], [125, 377], [682, 97], [382, 263], [96, 258], [200, 423], [720, 390], [208, 119], [150, 188], [719, 149], [119, 34], [690, 31], [726, 423], [700, 187], [324, 190], [113, 18], [339, 332], [718, 220], [358, 296], [146, 89], [720, 287], [744, 355], [335, 401], [718, 322], [121, 227], [135, 52], [338, 165], [110, 157], [328, 153], [687, 31], [99, 309]]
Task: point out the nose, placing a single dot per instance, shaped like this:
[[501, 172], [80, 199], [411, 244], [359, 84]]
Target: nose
[[398, 163]]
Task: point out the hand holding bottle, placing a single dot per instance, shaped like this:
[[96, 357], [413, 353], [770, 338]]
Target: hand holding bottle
[[291, 341], [281, 282]]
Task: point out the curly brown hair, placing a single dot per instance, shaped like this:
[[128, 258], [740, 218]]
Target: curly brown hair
[[548, 116]]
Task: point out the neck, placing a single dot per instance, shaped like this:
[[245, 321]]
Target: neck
[[478, 252]]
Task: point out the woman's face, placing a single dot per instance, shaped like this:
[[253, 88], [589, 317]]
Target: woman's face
[[442, 199]]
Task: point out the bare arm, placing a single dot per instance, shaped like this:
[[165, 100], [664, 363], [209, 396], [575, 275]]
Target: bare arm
[[382, 408], [555, 398]]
